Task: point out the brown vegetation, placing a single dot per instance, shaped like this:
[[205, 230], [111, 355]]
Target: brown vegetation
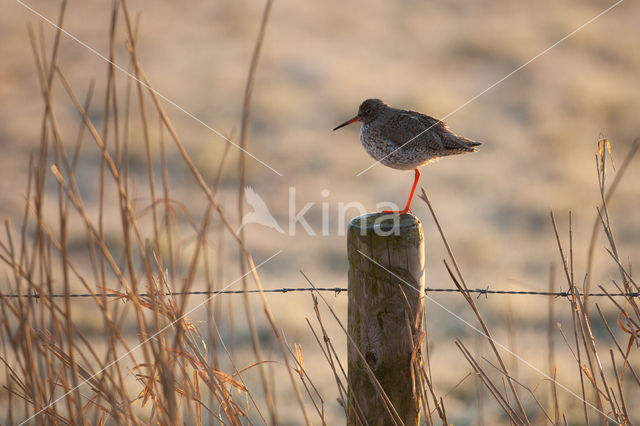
[[102, 217]]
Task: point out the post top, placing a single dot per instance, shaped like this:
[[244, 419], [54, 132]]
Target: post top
[[371, 220]]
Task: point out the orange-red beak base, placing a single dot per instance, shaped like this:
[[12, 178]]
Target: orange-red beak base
[[353, 120]]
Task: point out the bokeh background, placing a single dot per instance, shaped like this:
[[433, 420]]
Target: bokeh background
[[540, 128]]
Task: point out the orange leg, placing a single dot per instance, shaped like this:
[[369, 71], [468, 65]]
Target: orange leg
[[407, 208]]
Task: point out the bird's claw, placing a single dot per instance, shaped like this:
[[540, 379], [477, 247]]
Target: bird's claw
[[398, 212]]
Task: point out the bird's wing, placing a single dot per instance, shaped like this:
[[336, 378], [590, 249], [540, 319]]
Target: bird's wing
[[405, 126], [255, 200], [425, 130]]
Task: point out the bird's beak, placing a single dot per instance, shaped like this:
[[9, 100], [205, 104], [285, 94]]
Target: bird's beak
[[353, 120]]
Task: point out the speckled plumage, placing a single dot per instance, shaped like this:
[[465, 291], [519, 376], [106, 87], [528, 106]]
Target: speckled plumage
[[406, 140]]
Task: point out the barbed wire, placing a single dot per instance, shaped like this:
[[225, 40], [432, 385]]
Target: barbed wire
[[336, 290]]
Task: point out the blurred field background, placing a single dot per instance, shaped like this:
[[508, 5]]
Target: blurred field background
[[318, 62]]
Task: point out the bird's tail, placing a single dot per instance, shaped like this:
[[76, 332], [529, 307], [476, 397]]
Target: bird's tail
[[469, 144]]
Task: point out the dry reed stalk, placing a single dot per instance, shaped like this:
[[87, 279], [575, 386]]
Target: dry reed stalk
[[461, 285], [388, 406], [55, 370], [551, 347], [163, 372], [253, 66], [574, 318]]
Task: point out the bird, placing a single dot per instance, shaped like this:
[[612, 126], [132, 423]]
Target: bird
[[260, 213], [405, 140]]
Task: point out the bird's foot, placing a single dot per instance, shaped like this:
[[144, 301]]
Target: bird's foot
[[398, 212]]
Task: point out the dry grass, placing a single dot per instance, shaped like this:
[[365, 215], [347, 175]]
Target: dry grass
[[102, 216], [602, 396]]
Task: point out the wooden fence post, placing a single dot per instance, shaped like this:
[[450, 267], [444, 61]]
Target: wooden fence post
[[386, 293]]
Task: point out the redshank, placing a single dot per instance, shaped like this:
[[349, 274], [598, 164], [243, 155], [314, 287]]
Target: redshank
[[406, 140]]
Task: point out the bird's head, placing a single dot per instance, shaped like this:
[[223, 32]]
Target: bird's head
[[369, 110]]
